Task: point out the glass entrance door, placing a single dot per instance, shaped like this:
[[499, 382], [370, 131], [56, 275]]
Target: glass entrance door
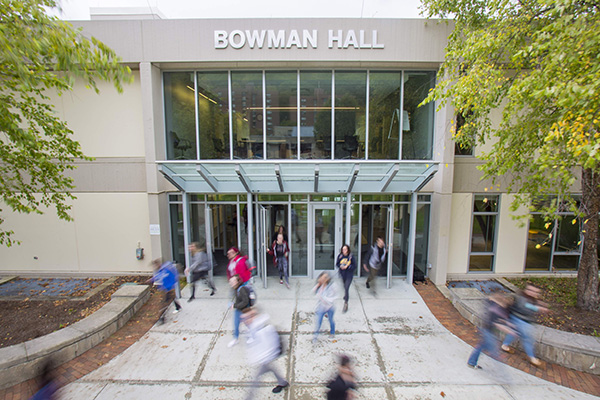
[[262, 242], [326, 236]]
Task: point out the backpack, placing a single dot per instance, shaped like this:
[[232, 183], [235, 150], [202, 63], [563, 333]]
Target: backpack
[[251, 295]]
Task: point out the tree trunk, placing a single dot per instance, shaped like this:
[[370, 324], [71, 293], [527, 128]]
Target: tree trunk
[[588, 297]]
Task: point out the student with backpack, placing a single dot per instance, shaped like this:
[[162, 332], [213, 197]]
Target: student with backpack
[[243, 298], [238, 265], [166, 278], [199, 269], [264, 346]]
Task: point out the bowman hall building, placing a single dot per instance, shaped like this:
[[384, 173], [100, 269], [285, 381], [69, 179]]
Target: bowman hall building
[[233, 127]]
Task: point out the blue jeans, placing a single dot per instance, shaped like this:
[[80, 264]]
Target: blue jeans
[[487, 343], [524, 329], [237, 316], [320, 314]]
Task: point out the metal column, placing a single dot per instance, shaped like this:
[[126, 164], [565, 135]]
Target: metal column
[[250, 212], [412, 235]]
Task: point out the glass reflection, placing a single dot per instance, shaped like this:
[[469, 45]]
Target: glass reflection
[[247, 114], [180, 117], [315, 115], [282, 115], [350, 106], [384, 115], [213, 115], [539, 244], [417, 130], [298, 239]]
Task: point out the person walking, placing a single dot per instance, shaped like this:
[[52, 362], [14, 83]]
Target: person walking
[[374, 260], [199, 269], [237, 265], [241, 301], [496, 317], [326, 295], [264, 346], [522, 316], [343, 385], [166, 278], [280, 251], [346, 264]]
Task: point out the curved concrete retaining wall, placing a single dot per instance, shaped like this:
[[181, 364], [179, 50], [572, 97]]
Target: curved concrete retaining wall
[[571, 350], [24, 361]]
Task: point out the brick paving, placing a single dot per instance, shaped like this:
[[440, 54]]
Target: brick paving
[[445, 312], [114, 345]]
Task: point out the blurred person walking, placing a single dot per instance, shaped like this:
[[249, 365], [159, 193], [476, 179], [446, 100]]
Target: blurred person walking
[[374, 258], [264, 346], [346, 264], [343, 385], [199, 269], [496, 318], [280, 252], [238, 265], [522, 316], [326, 295], [241, 300], [166, 278]]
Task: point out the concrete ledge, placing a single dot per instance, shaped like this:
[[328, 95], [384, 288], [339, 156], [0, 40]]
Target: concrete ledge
[[24, 361], [571, 350]]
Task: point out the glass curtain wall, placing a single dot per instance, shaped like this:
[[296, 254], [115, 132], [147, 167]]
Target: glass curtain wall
[[350, 112], [384, 115], [180, 116], [392, 133], [247, 114], [176, 220], [417, 122], [315, 115], [213, 115], [282, 114]]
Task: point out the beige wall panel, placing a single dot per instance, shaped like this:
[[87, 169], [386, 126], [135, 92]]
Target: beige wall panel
[[109, 227], [110, 175], [511, 246], [108, 124], [46, 237], [458, 256]]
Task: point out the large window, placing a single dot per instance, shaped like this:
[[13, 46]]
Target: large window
[[284, 115], [384, 115], [417, 122], [180, 117], [483, 232], [247, 114], [350, 105], [555, 244], [213, 115]]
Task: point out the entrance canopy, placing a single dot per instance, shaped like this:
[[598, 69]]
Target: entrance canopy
[[298, 176]]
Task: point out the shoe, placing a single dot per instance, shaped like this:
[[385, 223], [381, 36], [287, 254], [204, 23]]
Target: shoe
[[249, 341], [280, 282], [368, 286], [279, 388], [507, 349], [535, 362], [315, 340], [332, 336], [345, 307], [212, 292], [175, 311], [190, 299], [232, 343], [287, 285], [474, 366]]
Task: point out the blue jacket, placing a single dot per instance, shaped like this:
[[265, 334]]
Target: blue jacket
[[166, 276]]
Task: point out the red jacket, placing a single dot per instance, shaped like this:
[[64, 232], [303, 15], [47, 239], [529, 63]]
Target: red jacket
[[241, 268]]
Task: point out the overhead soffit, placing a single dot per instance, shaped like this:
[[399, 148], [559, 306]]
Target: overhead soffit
[[298, 176]]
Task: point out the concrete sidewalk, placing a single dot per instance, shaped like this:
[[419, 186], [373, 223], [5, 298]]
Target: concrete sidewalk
[[401, 352]]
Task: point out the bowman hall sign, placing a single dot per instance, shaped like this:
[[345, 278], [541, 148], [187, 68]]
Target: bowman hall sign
[[282, 39]]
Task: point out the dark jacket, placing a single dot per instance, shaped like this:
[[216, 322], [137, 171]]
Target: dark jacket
[[347, 273], [242, 298], [338, 389]]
